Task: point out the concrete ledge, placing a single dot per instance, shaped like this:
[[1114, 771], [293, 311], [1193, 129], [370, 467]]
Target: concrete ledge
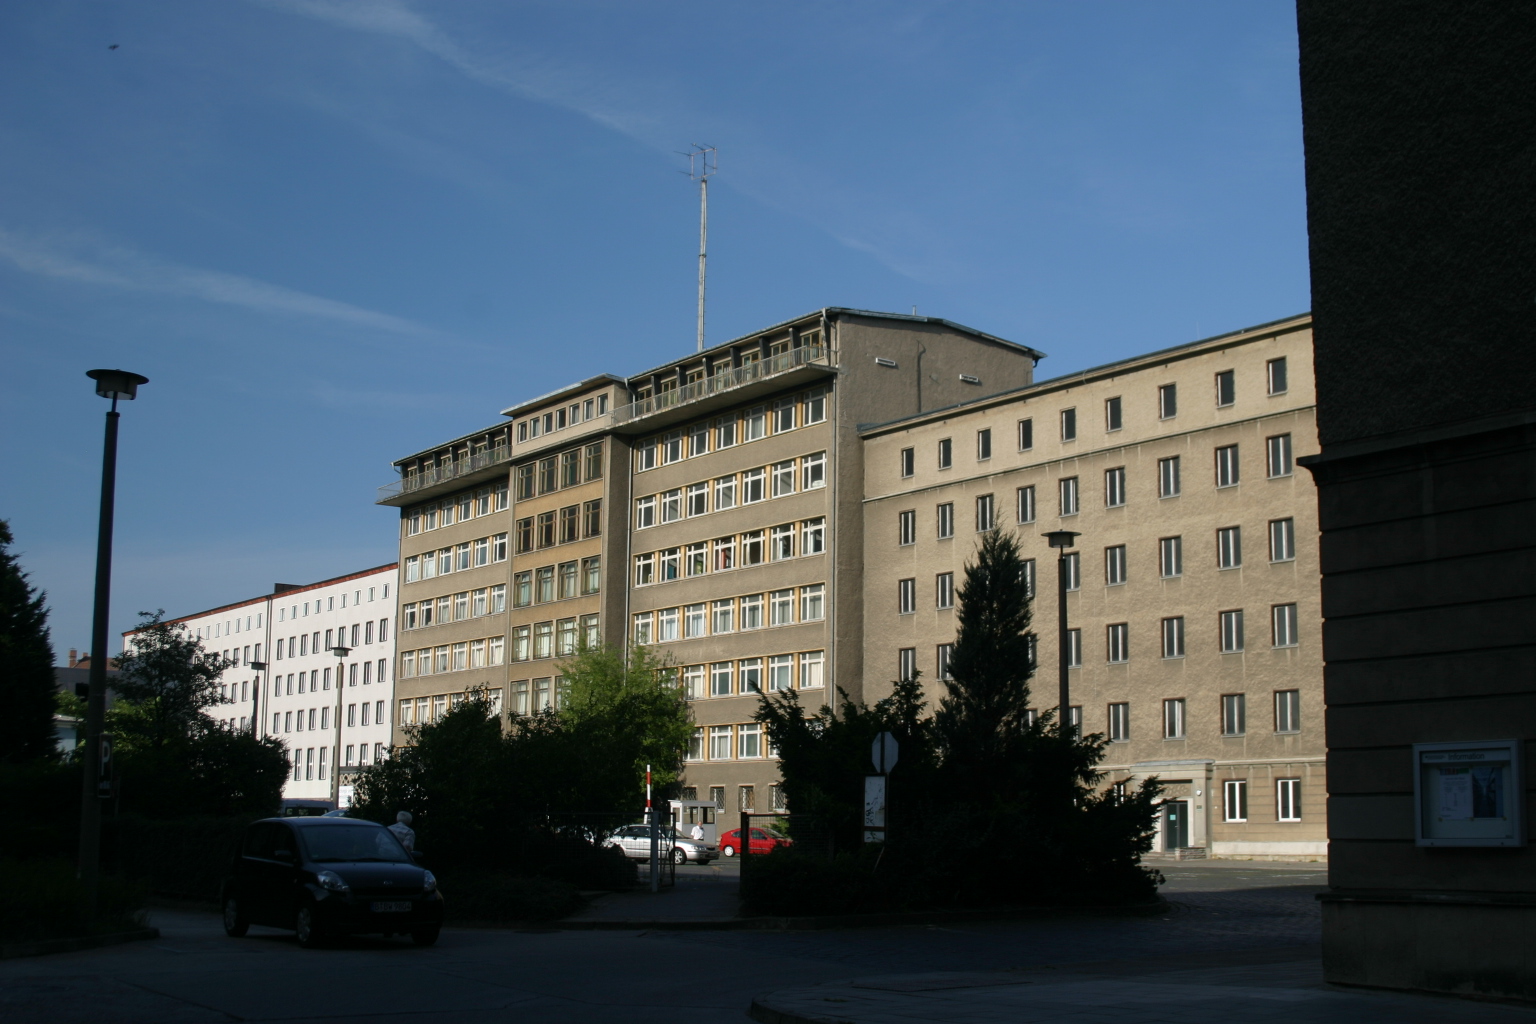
[[44, 947], [826, 921]]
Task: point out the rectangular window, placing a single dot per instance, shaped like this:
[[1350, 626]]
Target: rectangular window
[[750, 740], [543, 639], [1234, 714], [725, 432], [986, 519], [1113, 418], [570, 524], [906, 528], [592, 518], [781, 672], [1114, 487], [645, 629], [1278, 455], [813, 471], [1287, 799], [719, 743], [1119, 722], [983, 445], [781, 608], [752, 548], [696, 744], [1173, 719], [672, 447], [521, 647], [1231, 632], [645, 512], [1068, 491], [570, 468], [671, 506], [522, 589], [1074, 648], [1167, 401], [944, 590], [594, 461], [752, 611], [1117, 643], [497, 602], [725, 493], [725, 554], [1283, 618], [946, 520], [941, 660], [1170, 556], [1026, 435], [908, 462], [1282, 540], [666, 626], [754, 424], [1229, 547], [749, 675], [1027, 576], [1069, 424], [525, 488], [721, 676], [752, 485], [549, 475], [1226, 388], [1168, 485], [1024, 500], [698, 440], [1234, 800], [906, 664], [693, 689], [723, 616], [946, 453], [815, 410], [1173, 637], [1114, 565], [813, 602], [1074, 575], [1226, 466], [1276, 376], [525, 535], [783, 479], [696, 559], [906, 596], [783, 415], [1287, 711]]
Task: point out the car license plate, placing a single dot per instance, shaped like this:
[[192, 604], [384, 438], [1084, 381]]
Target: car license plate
[[392, 906]]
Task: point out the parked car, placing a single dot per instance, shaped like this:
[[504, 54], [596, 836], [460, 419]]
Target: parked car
[[762, 840], [324, 877], [635, 841]]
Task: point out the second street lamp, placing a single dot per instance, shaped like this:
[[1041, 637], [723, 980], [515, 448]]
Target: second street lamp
[[341, 665], [1061, 540]]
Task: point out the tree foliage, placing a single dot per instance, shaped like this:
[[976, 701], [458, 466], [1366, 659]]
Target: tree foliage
[[165, 682], [26, 664]]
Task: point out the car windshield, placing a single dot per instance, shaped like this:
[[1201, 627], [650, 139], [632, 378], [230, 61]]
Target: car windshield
[[352, 843]]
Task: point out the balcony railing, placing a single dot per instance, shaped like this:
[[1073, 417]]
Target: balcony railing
[[720, 382], [458, 468]]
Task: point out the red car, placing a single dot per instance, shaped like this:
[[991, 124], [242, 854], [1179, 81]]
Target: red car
[[763, 840]]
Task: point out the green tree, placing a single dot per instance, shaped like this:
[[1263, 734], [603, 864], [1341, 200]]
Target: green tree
[[631, 707], [165, 682], [26, 664]]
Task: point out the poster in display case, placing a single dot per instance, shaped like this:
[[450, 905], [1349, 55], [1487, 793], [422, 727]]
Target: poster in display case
[[1468, 794]]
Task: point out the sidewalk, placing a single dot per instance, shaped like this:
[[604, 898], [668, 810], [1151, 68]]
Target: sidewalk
[[698, 900], [1290, 988]]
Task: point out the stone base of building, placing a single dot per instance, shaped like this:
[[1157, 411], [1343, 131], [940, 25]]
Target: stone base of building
[[1425, 942], [1300, 850]]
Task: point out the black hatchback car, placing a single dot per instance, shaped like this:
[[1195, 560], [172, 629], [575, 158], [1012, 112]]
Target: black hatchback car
[[329, 876]]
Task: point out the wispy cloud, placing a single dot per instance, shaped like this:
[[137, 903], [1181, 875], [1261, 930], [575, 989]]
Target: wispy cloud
[[88, 261]]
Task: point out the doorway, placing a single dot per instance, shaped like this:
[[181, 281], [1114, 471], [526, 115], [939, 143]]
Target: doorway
[[1175, 824]]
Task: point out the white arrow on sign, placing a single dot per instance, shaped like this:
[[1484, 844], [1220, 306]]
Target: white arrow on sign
[[883, 752]]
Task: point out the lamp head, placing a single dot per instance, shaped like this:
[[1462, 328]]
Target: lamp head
[[341, 652], [258, 666], [1061, 538], [117, 383]]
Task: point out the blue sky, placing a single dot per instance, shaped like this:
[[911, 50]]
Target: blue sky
[[333, 232]]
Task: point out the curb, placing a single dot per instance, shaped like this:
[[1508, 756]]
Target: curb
[[863, 920], [45, 947]]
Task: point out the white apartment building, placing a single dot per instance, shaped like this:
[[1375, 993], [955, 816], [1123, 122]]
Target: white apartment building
[[312, 666]]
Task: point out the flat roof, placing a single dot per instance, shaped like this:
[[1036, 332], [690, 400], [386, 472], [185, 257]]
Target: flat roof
[[277, 595]]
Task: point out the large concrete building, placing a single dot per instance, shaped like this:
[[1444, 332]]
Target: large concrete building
[[736, 512]]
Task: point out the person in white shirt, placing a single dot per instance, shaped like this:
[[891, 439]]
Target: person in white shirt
[[403, 831]]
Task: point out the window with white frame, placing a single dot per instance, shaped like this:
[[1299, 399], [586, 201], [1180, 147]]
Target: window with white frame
[[1074, 574], [721, 677], [1234, 714], [1173, 718], [1227, 466], [1287, 799], [946, 453], [1229, 547], [908, 462], [815, 408], [1024, 504], [813, 536], [1119, 722], [813, 602], [1282, 540], [906, 528], [1287, 711], [719, 743], [1234, 800], [1232, 631], [1278, 455], [1069, 424], [783, 478], [695, 744], [693, 682], [985, 518], [752, 611], [722, 617], [783, 415], [944, 590], [749, 675], [698, 440], [906, 663], [1226, 388], [946, 520], [906, 596], [1168, 484], [983, 445], [781, 542], [1114, 565], [749, 740], [698, 499], [1167, 401], [1173, 636], [1170, 557], [781, 672], [813, 665], [666, 628], [752, 485], [644, 629], [1114, 487], [1067, 488], [1027, 576], [1117, 643], [725, 493], [813, 471], [781, 608], [1284, 625], [1026, 435], [1276, 376], [1074, 648], [942, 655], [754, 424], [645, 512]]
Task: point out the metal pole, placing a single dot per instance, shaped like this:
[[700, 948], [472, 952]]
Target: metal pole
[[703, 239], [96, 699], [655, 820], [1065, 698]]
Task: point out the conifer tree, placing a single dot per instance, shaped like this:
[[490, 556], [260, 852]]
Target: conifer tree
[[26, 663]]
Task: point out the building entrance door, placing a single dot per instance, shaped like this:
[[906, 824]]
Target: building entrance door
[[1175, 824]]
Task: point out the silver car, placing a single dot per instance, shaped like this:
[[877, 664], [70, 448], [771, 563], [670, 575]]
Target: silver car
[[635, 841]]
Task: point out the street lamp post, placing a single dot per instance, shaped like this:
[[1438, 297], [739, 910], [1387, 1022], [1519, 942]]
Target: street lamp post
[[341, 654], [114, 385], [260, 668], [1061, 540]]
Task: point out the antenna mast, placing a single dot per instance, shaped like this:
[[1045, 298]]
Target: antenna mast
[[702, 162]]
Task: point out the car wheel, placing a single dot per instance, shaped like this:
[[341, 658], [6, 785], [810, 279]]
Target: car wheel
[[424, 936], [235, 922], [679, 857], [728, 851], [308, 931]]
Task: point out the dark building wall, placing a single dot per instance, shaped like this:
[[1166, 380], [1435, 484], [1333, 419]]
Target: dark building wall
[[1419, 122], [1420, 132]]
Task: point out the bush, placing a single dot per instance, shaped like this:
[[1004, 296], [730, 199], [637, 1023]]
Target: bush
[[41, 900], [490, 896], [184, 858]]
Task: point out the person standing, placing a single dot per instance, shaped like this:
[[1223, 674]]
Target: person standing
[[403, 831]]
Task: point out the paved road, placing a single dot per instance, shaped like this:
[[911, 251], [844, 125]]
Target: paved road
[[194, 974]]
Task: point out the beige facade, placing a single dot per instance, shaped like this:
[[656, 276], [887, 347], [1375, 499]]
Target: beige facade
[[1196, 602]]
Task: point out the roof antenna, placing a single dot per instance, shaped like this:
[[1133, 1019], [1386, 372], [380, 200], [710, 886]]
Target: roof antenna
[[702, 162]]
